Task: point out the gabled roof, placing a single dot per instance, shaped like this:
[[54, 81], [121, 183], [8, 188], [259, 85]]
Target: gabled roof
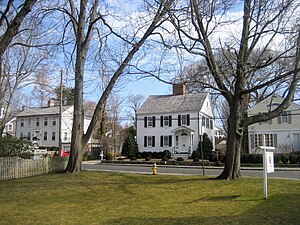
[[54, 110], [270, 103], [172, 103]]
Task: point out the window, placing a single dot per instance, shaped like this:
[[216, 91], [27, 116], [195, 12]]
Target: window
[[37, 123], [54, 121], [10, 127], [211, 124], [29, 122], [271, 140], [149, 121], [207, 123], [166, 121], [46, 121], [22, 122], [45, 136], [149, 141], [65, 136], [21, 135], [28, 136], [184, 120], [53, 136], [285, 117], [166, 141], [203, 121]]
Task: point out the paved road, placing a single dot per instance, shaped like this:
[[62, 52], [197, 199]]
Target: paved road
[[147, 169]]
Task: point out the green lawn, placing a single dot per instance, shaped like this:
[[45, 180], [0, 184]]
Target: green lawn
[[111, 198]]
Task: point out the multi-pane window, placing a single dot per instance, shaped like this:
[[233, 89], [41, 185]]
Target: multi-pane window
[[211, 124], [286, 117], [150, 121], [29, 122], [37, 123], [46, 121], [149, 141], [53, 136], [166, 121], [183, 119], [10, 127], [165, 140], [207, 123], [271, 140], [65, 136], [54, 121], [203, 121], [45, 136], [22, 122], [21, 135]]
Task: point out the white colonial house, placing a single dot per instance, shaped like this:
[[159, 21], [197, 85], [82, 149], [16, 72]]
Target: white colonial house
[[174, 122], [42, 124], [282, 132]]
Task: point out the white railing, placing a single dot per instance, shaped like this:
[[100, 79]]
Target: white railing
[[16, 167]]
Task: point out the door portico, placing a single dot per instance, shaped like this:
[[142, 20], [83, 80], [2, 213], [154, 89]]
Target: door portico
[[183, 137]]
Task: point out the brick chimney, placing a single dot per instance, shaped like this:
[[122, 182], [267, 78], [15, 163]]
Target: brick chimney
[[179, 89], [52, 102]]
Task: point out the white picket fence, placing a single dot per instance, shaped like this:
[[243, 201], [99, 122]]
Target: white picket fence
[[16, 167]]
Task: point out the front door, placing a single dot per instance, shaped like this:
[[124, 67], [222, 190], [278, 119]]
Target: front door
[[184, 144]]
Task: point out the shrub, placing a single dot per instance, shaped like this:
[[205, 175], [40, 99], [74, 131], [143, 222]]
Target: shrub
[[130, 148], [132, 159], [284, 158], [167, 153], [180, 159], [252, 158], [195, 159], [245, 158], [165, 158], [213, 157], [196, 155], [148, 159], [155, 155], [138, 155], [144, 155], [149, 154], [222, 158], [277, 158], [13, 147], [259, 158], [109, 156], [293, 158], [160, 155]]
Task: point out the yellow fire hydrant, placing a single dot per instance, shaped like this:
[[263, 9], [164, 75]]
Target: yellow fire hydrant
[[154, 168]]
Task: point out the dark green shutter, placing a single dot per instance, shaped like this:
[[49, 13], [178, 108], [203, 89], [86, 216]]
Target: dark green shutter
[[153, 121], [170, 121], [161, 121], [145, 141], [153, 141], [179, 120], [145, 121], [188, 119], [170, 141], [161, 141]]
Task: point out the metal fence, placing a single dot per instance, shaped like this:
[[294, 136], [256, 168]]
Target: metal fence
[[16, 167]]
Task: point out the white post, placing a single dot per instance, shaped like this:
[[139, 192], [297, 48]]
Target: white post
[[265, 168]]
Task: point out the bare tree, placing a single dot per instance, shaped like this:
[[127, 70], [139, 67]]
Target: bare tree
[[134, 103], [269, 33], [83, 33]]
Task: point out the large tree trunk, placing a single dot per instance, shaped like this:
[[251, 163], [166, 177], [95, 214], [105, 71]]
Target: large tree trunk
[[233, 149]]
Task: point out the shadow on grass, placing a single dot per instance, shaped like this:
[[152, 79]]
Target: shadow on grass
[[273, 211]]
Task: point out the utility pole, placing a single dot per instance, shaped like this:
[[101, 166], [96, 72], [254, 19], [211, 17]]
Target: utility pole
[[60, 113]]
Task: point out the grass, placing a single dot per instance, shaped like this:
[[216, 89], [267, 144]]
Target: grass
[[112, 198]]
